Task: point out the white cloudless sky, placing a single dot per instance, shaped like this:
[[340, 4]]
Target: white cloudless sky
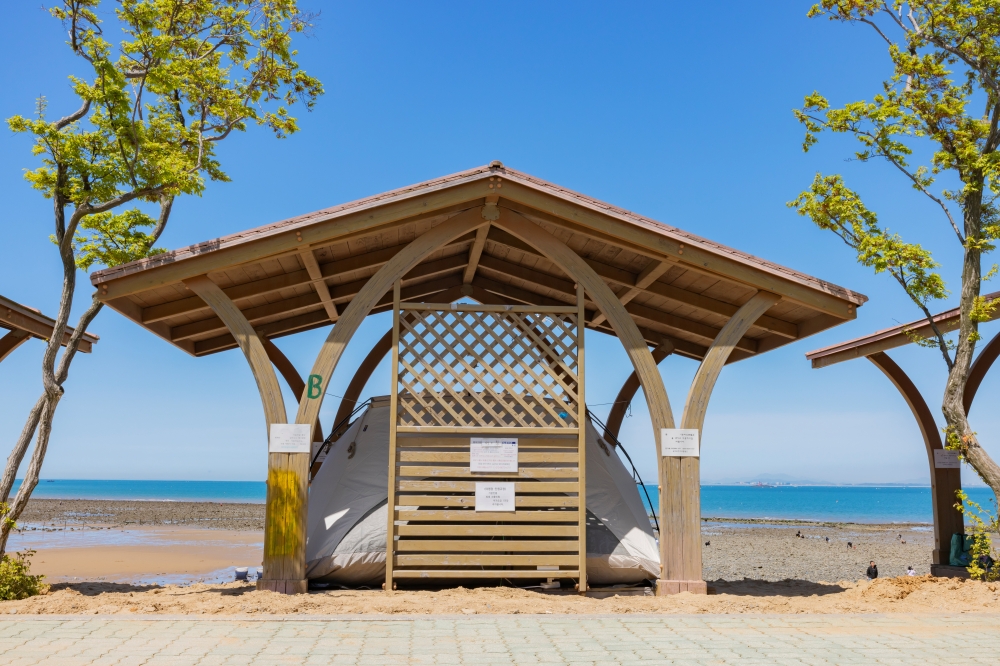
[[668, 109]]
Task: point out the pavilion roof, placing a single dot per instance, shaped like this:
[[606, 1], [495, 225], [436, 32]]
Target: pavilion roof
[[300, 273], [890, 338], [17, 317]]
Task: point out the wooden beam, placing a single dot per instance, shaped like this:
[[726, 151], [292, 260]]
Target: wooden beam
[[19, 317], [370, 295], [628, 390], [287, 473], [645, 240], [648, 276], [944, 482], [311, 301], [978, 371], [475, 253], [703, 331], [319, 284], [624, 278], [341, 267], [12, 341], [680, 505], [322, 229]]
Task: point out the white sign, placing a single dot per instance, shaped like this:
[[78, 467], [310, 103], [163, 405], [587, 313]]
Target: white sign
[[679, 442], [492, 496], [492, 455], [945, 459], [290, 438]]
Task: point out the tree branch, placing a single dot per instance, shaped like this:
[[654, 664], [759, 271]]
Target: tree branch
[[73, 117]]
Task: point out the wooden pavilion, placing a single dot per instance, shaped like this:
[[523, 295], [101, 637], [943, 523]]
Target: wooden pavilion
[[531, 254], [23, 323], [946, 478]]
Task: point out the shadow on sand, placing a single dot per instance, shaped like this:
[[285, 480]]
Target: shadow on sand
[[749, 587], [93, 589]]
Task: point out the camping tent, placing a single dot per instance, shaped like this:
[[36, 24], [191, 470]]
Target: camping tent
[[348, 511]]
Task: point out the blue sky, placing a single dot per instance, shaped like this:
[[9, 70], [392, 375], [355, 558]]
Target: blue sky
[[677, 113]]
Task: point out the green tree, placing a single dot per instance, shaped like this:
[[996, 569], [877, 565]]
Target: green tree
[[944, 57], [182, 76]]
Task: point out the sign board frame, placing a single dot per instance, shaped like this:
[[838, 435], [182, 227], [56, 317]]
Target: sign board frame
[[495, 496], [290, 438], [946, 459], [680, 442], [493, 454]]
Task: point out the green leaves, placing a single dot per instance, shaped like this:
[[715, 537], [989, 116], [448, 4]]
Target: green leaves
[[833, 206], [114, 239], [185, 76]]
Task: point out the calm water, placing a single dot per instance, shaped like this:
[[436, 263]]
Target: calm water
[[833, 503], [859, 504]]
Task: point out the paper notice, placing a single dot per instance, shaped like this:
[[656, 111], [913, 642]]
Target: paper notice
[[945, 459], [492, 496], [492, 455], [290, 438], [679, 442]]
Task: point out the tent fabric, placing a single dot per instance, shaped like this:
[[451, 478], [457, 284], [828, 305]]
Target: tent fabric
[[348, 511]]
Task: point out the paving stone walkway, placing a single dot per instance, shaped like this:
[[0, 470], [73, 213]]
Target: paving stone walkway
[[505, 639]]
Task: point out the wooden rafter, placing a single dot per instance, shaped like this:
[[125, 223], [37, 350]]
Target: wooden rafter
[[330, 270], [319, 283], [310, 301], [623, 278], [648, 276], [475, 253]]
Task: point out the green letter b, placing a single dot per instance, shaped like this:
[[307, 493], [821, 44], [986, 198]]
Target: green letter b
[[315, 388]]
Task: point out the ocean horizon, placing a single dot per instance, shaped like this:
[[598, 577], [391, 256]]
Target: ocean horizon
[[832, 503]]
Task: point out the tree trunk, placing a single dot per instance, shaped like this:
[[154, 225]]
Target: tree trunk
[[31, 474], [953, 405]]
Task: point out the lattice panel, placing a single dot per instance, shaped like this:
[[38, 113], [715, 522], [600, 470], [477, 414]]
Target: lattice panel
[[488, 369]]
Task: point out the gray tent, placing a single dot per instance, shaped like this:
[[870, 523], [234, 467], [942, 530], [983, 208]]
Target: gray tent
[[348, 514]]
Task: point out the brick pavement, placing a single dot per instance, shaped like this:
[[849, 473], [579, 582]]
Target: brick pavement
[[502, 639]]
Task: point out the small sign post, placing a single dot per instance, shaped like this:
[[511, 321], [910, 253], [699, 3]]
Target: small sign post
[[290, 438], [492, 455], [493, 496], [681, 442], [946, 459]]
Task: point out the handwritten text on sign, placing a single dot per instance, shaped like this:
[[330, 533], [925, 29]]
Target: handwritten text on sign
[[492, 455], [492, 496], [290, 438], [679, 442]]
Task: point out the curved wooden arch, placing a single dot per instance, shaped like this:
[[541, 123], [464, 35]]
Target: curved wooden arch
[[624, 398], [12, 341], [361, 377], [978, 371], [369, 295], [291, 376], [944, 482]]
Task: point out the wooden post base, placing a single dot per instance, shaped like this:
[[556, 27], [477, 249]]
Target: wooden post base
[[665, 587], [284, 586]]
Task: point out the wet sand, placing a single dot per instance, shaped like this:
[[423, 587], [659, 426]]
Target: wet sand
[[122, 533]]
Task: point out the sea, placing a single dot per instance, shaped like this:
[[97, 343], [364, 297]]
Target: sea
[[858, 504]]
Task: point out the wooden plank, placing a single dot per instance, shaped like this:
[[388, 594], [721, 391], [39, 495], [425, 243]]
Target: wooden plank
[[463, 457], [475, 253], [648, 276], [483, 573], [447, 560], [468, 515], [424, 440], [393, 419], [470, 500], [476, 431], [464, 473], [489, 530], [471, 545], [476, 307], [470, 486]]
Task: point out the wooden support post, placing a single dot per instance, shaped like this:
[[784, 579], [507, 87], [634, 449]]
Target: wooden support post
[[624, 398], [680, 480], [944, 482], [287, 473], [581, 421], [390, 532], [12, 341]]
